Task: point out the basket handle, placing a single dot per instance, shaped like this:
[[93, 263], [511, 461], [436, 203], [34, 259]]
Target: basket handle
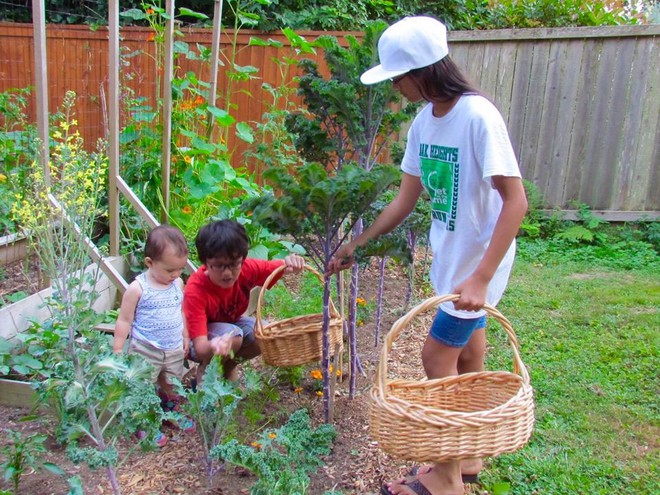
[[262, 291], [403, 322]]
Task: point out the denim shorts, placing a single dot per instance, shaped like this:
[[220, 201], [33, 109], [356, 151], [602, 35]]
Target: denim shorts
[[454, 331]]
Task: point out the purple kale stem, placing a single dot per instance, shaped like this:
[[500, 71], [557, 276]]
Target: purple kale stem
[[379, 307]]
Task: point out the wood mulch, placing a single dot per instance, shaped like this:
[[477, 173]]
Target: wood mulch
[[356, 465], [20, 276]]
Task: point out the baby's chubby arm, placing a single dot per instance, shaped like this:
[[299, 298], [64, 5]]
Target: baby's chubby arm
[[124, 322]]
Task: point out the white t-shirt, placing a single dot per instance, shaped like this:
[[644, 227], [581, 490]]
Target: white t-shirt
[[455, 156]]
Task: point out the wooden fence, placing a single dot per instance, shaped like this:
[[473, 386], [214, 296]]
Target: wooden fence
[[582, 104]]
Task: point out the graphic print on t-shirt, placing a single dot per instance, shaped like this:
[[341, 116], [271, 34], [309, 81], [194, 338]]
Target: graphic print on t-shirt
[[439, 166]]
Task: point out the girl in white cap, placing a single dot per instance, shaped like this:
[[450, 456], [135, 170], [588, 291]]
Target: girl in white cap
[[459, 150]]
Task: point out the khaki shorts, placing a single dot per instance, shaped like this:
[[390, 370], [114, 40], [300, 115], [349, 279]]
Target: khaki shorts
[[169, 362]]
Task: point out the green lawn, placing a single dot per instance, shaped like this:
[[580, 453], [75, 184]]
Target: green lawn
[[590, 338]]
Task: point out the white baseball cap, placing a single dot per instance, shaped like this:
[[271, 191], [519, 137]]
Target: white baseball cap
[[411, 43]]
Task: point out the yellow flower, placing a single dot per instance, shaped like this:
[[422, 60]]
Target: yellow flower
[[319, 393], [3, 178], [316, 374], [360, 301], [187, 159]]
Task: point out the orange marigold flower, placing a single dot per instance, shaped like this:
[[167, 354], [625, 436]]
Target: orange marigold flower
[[316, 374], [199, 100], [360, 301], [256, 445], [151, 37], [186, 209], [297, 390], [272, 435], [150, 11]]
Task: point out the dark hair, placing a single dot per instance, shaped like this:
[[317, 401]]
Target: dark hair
[[162, 237], [442, 80], [221, 239]]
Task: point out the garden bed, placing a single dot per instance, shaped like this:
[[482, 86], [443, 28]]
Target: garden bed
[[19, 273], [356, 465], [18, 316]]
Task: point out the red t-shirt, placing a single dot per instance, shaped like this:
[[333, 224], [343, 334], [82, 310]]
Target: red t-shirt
[[204, 302]]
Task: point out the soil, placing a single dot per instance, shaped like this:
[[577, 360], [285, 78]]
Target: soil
[[22, 276], [356, 465]]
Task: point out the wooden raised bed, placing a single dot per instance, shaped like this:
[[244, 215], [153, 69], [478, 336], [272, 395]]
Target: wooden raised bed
[[18, 316], [12, 248], [16, 393]]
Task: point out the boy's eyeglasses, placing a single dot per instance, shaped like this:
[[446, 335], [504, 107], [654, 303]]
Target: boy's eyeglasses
[[221, 267]]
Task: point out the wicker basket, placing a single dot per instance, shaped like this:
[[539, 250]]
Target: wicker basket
[[296, 340], [471, 415]]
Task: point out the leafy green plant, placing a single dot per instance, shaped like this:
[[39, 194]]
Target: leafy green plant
[[17, 150], [552, 13], [23, 452], [273, 145], [282, 458], [292, 375], [97, 397], [204, 184], [12, 298], [312, 206], [213, 407], [344, 122]]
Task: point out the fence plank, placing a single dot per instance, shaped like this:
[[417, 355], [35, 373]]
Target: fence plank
[[504, 84], [520, 88], [647, 157], [547, 151], [632, 186], [570, 62]]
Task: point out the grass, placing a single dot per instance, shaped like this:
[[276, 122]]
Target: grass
[[589, 335], [295, 295]]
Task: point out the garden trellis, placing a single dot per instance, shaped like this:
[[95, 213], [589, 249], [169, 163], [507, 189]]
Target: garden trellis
[[116, 185]]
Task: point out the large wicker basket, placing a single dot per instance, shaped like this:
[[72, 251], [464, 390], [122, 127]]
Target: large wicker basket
[[471, 415], [296, 340]]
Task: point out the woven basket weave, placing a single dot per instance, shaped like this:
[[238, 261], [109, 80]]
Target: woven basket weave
[[471, 415], [298, 340]]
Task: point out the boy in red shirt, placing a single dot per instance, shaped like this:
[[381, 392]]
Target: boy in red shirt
[[217, 295]]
